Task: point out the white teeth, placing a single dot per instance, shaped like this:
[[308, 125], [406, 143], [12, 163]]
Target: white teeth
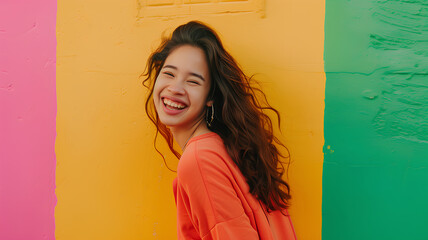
[[173, 104]]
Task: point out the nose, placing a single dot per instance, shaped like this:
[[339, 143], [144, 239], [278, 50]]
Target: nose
[[176, 87]]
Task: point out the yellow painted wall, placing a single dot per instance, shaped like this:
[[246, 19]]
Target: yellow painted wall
[[111, 184]]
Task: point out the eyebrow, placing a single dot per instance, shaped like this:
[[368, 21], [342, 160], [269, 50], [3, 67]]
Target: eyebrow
[[191, 73]]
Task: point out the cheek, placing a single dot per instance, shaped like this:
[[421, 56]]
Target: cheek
[[156, 89], [155, 96], [200, 98]]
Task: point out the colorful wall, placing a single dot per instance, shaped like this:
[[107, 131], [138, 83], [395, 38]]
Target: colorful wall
[[375, 179], [76, 149], [28, 108]]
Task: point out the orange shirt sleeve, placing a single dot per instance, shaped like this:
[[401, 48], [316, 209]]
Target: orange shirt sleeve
[[207, 203]]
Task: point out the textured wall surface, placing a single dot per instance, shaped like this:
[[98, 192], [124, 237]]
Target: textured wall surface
[[27, 119], [375, 180], [111, 184]]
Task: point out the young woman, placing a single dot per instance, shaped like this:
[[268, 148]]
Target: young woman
[[229, 178]]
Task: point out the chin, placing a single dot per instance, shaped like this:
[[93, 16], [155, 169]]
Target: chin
[[168, 122]]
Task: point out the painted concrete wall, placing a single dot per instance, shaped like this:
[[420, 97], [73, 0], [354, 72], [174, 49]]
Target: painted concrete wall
[[375, 182], [111, 184], [27, 119]]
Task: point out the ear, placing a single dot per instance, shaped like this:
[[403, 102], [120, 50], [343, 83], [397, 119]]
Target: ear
[[210, 103]]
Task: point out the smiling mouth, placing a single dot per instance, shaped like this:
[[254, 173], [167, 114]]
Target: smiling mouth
[[173, 105]]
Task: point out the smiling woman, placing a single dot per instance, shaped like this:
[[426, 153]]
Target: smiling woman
[[181, 91], [229, 179]]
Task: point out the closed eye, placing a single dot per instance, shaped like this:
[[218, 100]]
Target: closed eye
[[193, 82], [169, 74]]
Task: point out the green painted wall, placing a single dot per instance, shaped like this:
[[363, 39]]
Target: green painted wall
[[375, 174]]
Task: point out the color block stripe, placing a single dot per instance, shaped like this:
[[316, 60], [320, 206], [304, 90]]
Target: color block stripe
[[27, 119], [375, 175]]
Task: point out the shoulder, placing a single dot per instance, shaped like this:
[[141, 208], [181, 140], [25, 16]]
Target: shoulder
[[206, 155]]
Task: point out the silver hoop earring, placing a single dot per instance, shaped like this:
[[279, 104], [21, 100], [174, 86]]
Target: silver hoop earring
[[210, 121]]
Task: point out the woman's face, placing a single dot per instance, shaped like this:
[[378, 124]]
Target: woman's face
[[181, 89]]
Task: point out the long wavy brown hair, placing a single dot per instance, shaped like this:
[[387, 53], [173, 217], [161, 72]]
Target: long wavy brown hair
[[240, 117]]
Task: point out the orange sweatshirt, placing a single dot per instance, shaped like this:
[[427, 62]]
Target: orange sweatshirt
[[213, 199]]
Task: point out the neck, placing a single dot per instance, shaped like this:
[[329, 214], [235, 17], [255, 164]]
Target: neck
[[182, 136]]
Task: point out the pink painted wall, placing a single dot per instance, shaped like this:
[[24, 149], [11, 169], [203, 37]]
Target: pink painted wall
[[27, 119]]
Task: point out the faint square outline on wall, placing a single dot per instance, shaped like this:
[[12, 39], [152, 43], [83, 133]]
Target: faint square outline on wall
[[154, 9]]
